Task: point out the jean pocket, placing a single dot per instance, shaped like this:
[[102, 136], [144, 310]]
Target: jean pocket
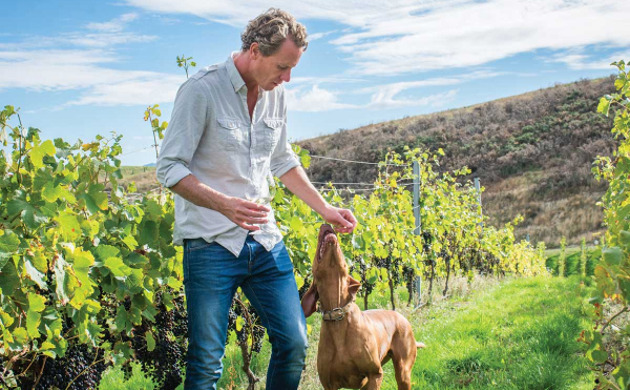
[[198, 244]]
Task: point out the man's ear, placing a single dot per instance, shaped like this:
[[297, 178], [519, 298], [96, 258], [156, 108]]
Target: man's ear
[[309, 300], [254, 51], [353, 286]]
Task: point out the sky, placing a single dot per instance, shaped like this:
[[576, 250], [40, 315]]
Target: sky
[[81, 68]]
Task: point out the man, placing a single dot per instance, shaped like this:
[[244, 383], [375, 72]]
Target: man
[[226, 136]]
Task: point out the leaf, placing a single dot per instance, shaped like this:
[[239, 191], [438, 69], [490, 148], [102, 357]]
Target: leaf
[[239, 323], [5, 319], [598, 356], [32, 323], [613, 256], [37, 153], [68, 226], [20, 336], [50, 192], [296, 223], [150, 341], [624, 239], [122, 320], [104, 251], [36, 302], [117, 267], [9, 244], [9, 279], [35, 275], [94, 332], [98, 195], [148, 233], [30, 215], [60, 278], [81, 262], [130, 242]]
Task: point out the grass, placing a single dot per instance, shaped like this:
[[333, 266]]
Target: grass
[[512, 334], [519, 335], [113, 379]]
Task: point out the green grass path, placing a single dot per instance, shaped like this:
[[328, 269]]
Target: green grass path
[[517, 334], [520, 334]]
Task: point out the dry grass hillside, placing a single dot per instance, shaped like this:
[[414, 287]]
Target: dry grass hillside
[[532, 152]]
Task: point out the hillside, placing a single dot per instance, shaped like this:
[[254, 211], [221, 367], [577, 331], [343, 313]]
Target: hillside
[[532, 152]]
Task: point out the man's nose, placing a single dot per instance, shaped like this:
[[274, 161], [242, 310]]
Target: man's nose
[[286, 76]]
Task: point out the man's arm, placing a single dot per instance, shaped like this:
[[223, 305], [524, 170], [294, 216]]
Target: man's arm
[[240, 211], [298, 183]]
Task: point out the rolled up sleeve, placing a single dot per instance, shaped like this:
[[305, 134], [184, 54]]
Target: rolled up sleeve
[[187, 125], [283, 158]]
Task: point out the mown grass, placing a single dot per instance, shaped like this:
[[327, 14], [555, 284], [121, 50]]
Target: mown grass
[[113, 379], [519, 335], [514, 334]]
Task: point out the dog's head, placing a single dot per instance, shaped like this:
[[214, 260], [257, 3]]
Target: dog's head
[[329, 266]]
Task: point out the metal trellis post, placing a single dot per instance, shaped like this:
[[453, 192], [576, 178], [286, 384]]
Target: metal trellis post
[[418, 229], [478, 188]]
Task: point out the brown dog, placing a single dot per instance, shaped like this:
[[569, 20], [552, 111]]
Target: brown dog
[[353, 345]]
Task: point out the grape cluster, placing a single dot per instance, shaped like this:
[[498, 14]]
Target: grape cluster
[[366, 287], [258, 336], [166, 361], [76, 367], [255, 330]]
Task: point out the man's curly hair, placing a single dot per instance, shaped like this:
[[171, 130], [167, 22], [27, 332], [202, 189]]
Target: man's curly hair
[[270, 30]]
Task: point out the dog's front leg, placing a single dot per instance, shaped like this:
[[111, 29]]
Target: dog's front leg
[[374, 381]]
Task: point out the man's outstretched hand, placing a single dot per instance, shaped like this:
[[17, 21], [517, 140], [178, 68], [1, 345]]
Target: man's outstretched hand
[[341, 219]]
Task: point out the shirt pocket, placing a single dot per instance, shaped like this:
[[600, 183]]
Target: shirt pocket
[[229, 133], [271, 133]]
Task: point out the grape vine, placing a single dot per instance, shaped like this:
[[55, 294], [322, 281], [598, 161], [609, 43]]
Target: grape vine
[[608, 340]]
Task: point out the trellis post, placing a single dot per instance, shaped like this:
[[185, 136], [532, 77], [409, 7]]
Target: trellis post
[[418, 228]]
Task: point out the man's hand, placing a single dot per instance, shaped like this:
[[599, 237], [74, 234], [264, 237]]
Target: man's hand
[[342, 219], [298, 183], [244, 213]]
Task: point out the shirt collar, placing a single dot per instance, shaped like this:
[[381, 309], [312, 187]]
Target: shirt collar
[[235, 76]]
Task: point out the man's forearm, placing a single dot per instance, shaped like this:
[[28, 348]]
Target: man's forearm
[[299, 184], [194, 191]]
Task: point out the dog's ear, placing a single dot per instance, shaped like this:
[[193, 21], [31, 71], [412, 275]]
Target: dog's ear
[[309, 300], [353, 286]]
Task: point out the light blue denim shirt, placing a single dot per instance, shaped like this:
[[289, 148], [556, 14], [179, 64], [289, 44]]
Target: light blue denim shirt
[[211, 136]]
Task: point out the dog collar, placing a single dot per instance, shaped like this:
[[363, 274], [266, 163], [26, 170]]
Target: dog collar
[[336, 314]]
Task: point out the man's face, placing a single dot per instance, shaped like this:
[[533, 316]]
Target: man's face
[[272, 70]]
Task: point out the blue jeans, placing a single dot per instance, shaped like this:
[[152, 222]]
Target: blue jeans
[[211, 276]]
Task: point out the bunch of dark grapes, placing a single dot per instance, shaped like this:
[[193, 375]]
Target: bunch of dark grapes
[[409, 275], [166, 361], [427, 240], [180, 319], [366, 287], [76, 367], [258, 336], [232, 316], [257, 330]]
